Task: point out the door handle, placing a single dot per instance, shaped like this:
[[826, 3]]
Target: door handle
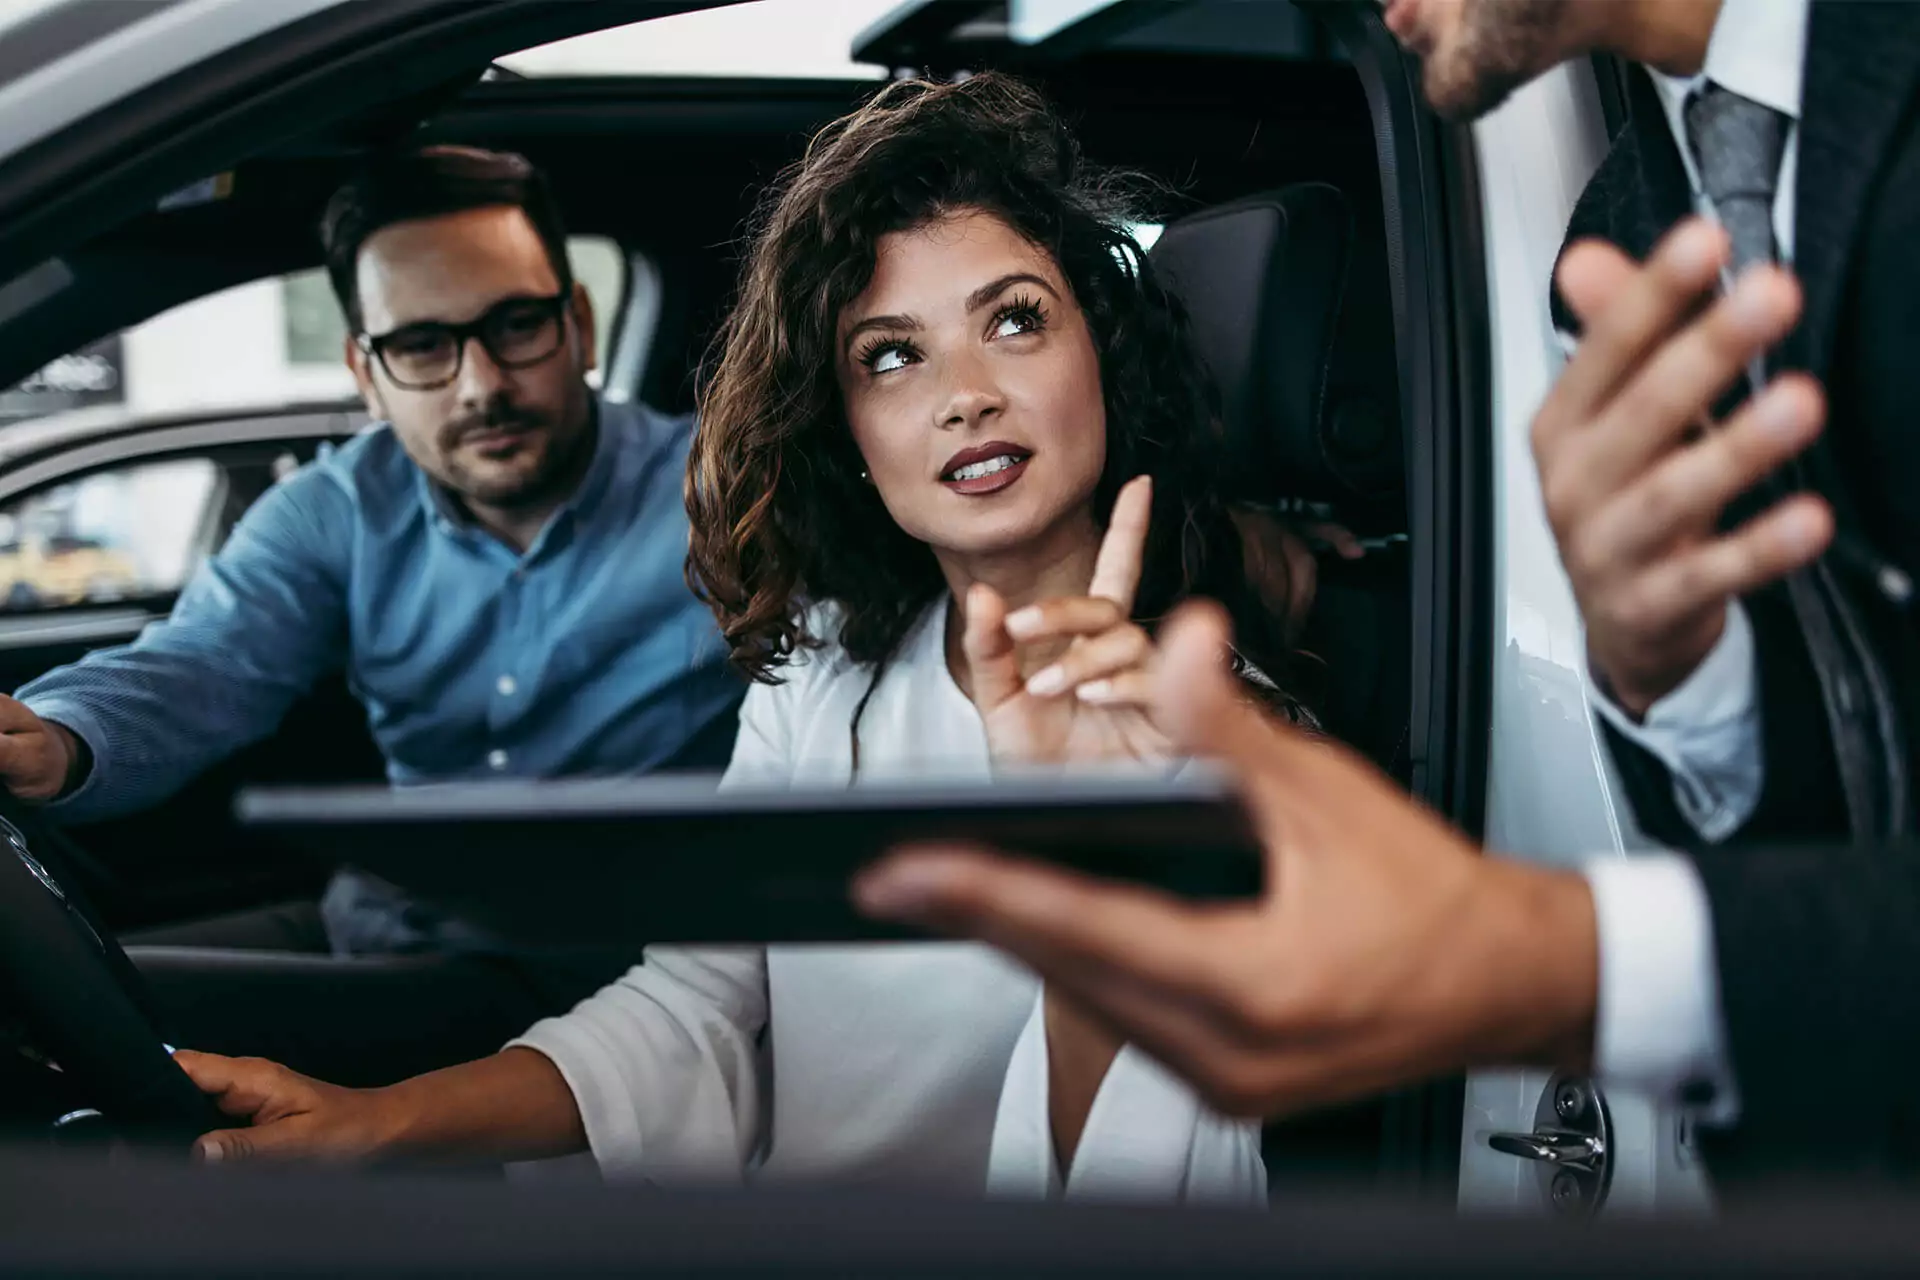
[[1554, 1146], [1568, 1146]]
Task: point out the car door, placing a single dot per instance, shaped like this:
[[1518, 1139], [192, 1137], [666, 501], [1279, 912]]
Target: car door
[[1551, 792]]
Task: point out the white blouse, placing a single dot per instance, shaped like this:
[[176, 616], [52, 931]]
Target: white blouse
[[919, 1064]]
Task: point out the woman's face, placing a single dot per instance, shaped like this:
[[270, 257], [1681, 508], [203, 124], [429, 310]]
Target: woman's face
[[972, 387]]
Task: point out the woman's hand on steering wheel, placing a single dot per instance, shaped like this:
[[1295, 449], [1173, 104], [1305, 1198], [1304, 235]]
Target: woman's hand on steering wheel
[[1092, 702], [289, 1116]]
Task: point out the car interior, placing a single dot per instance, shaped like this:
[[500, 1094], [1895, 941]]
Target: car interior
[[1269, 132]]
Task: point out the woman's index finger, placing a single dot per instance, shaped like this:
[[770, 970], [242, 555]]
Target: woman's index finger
[[1116, 570]]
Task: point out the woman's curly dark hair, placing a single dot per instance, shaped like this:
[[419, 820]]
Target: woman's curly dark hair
[[781, 517]]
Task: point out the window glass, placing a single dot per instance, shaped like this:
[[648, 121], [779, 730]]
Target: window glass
[[113, 535], [274, 341], [316, 331], [600, 266], [799, 39]]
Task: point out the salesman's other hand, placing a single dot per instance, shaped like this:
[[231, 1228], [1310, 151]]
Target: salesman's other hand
[[1635, 488], [1386, 948]]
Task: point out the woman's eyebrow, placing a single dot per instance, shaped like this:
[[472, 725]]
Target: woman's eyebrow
[[877, 322], [994, 288]]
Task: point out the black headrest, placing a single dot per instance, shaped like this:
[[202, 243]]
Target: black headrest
[[1290, 313]]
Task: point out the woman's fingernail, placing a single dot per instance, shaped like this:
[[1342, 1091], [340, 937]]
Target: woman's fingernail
[[1095, 691], [1048, 682], [1024, 622], [209, 1152]]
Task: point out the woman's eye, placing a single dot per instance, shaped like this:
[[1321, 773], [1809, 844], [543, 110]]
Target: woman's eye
[[1014, 323], [885, 358]]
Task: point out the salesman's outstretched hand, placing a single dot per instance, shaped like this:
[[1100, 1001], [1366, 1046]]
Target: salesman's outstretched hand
[[1387, 948]]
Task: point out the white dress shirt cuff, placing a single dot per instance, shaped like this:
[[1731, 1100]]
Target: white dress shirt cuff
[[1707, 733], [1660, 1028]]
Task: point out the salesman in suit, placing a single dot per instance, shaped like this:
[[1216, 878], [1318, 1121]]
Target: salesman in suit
[[1701, 689], [1755, 984]]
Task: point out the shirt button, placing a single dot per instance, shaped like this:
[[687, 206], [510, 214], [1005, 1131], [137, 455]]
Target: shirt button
[[496, 759], [507, 686]]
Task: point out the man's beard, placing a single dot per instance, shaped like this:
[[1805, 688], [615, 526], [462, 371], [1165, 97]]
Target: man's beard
[[532, 487], [1502, 45]]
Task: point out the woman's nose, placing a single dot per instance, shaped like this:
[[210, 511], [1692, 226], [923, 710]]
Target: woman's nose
[[970, 395]]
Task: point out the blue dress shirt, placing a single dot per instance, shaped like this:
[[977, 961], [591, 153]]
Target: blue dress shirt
[[585, 655]]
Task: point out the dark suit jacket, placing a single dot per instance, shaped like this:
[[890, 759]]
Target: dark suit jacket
[[1819, 948]]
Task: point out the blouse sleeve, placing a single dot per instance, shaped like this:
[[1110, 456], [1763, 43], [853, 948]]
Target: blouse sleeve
[[1147, 1136]]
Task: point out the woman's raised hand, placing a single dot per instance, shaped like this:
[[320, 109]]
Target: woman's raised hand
[[1091, 702]]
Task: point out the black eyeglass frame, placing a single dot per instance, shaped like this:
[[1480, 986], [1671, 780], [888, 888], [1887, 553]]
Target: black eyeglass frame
[[555, 305]]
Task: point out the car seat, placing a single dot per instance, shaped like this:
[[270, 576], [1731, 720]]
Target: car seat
[[1288, 306]]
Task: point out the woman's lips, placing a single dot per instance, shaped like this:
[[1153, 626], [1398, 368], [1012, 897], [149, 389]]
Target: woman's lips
[[1007, 469]]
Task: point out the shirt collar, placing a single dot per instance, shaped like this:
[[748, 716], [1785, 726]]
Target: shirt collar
[[1758, 50]]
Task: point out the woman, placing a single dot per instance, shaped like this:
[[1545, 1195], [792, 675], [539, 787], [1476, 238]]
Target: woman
[[955, 444]]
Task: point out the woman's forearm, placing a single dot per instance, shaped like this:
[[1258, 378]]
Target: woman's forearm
[[514, 1105]]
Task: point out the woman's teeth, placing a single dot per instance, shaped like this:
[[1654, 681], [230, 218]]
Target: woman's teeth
[[975, 470]]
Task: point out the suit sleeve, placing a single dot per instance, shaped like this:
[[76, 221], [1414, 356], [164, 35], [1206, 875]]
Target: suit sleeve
[[1818, 950]]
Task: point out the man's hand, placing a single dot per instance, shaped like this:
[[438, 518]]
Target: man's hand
[[36, 756], [1386, 949], [291, 1117], [1636, 478]]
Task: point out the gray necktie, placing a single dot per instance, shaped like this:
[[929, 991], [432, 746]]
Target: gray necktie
[[1737, 144]]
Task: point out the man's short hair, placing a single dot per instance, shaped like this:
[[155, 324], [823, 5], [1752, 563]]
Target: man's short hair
[[432, 182]]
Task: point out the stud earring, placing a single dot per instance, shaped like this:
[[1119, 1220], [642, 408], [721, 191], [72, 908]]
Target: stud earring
[[863, 473]]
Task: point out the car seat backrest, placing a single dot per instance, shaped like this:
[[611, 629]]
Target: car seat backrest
[[1291, 318], [1288, 305]]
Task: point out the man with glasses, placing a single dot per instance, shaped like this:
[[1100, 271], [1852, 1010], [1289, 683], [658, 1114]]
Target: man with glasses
[[497, 567]]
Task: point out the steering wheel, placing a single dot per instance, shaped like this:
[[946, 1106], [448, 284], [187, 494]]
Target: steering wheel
[[83, 1001]]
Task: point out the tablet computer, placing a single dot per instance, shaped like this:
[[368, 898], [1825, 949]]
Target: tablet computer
[[673, 859]]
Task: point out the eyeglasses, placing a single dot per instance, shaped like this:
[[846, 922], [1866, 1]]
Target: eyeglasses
[[517, 333]]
